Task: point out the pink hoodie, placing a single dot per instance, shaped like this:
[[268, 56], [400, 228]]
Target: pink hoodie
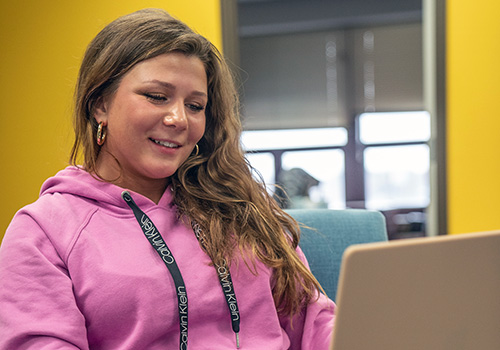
[[77, 272]]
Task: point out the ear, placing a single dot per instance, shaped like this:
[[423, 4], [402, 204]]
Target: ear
[[101, 110]]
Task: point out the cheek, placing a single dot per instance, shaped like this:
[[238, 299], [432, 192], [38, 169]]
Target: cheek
[[198, 130], [131, 121]]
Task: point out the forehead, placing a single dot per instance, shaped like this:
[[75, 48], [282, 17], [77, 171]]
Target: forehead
[[170, 67]]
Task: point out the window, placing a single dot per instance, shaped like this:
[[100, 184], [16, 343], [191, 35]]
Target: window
[[394, 127], [323, 78], [327, 167], [309, 163], [397, 177], [257, 140], [396, 159]]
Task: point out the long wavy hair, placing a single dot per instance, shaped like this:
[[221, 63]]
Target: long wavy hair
[[215, 188]]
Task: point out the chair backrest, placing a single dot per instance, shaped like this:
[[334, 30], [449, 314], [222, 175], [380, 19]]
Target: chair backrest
[[329, 233]]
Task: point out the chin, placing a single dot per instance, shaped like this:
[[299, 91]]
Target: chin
[[158, 175], [161, 171]]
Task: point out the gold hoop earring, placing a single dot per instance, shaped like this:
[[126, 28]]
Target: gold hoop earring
[[101, 133], [197, 148]]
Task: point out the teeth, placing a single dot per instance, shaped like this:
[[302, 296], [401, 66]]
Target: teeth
[[166, 144]]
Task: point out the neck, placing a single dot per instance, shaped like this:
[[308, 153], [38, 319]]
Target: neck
[[149, 188]]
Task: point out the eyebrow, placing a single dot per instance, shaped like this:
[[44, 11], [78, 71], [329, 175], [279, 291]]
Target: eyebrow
[[173, 87]]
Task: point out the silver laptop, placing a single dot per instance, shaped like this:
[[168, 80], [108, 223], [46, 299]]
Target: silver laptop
[[422, 293]]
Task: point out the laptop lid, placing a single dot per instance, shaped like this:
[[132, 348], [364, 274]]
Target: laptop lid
[[422, 293]]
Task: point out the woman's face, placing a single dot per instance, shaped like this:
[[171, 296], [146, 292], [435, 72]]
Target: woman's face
[[154, 120]]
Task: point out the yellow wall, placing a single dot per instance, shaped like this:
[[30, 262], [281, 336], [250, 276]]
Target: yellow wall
[[42, 43], [473, 120]]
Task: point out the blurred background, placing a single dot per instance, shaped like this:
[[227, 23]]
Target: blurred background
[[387, 105], [335, 89]]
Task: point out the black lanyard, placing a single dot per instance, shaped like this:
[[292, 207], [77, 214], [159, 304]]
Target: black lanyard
[[154, 237], [227, 287]]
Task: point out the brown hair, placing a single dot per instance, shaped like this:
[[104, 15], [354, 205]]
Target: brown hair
[[215, 188]]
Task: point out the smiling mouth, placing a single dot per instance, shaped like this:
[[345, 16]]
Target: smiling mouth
[[165, 143]]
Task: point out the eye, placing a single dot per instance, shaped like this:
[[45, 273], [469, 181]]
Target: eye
[[155, 97], [195, 107]]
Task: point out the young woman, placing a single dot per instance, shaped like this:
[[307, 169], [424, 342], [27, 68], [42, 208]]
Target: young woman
[[161, 239]]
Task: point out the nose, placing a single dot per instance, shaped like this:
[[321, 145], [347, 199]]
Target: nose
[[176, 116]]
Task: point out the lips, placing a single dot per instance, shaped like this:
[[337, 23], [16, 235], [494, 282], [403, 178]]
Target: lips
[[165, 143]]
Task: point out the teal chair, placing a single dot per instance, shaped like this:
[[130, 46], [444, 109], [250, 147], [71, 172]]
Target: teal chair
[[329, 232]]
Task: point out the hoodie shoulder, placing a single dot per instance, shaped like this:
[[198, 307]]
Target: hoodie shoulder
[[77, 182], [66, 204], [54, 217], [68, 201]]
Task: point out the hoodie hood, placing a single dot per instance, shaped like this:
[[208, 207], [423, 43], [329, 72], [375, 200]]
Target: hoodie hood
[[76, 181]]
